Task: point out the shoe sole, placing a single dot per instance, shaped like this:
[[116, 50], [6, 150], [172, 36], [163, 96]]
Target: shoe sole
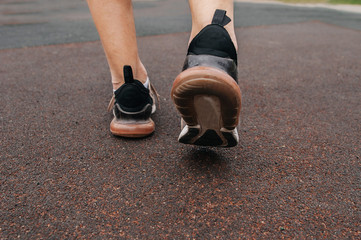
[[209, 101], [132, 128]]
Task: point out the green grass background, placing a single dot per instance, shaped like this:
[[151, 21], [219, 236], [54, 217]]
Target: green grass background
[[324, 1]]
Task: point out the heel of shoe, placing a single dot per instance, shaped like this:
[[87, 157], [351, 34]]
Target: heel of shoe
[[207, 81], [226, 65], [132, 124], [209, 101], [210, 130]]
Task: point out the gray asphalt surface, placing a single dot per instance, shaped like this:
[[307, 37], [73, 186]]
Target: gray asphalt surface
[[43, 22], [295, 174]]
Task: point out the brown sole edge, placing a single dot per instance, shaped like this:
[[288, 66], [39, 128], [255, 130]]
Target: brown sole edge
[[132, 130], [203, 80]]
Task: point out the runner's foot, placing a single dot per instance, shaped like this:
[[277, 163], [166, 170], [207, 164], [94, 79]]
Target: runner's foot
[[133, 103], [206, 92]]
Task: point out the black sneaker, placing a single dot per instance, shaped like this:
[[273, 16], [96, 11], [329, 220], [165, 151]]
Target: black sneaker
[[206, 92], [133, 104]]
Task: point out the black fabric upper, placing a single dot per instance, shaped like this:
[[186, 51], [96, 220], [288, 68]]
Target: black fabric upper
[[132, 96], [214, 39]]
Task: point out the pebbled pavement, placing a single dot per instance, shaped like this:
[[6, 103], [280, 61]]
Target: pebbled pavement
[[295, 174]]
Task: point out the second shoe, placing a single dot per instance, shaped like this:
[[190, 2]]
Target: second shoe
[[206, 92]]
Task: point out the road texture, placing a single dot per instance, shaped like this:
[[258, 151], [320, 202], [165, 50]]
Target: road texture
[[43, 22], [295, 174]]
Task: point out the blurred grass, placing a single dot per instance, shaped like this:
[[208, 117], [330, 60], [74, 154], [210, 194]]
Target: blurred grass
[[345, 1], [324, 1], [304, 1]]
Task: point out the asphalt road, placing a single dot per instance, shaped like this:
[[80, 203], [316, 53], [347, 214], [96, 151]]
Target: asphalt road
[[45, 22], [295, 174]]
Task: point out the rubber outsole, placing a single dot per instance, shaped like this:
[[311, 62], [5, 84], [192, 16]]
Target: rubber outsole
[[132, 129], [209, 101]]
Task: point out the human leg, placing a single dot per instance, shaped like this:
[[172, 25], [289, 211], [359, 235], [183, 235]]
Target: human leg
[[114, 21], [132, 101]]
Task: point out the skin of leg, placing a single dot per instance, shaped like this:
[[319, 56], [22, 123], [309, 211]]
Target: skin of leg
[[202, 14], [114, 21]]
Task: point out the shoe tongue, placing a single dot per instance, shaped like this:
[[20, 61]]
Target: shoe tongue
[[128, 74]]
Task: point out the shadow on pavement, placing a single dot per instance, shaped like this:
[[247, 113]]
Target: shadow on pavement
[[207, 161]]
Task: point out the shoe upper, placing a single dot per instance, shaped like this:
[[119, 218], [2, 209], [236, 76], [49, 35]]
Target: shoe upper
[[132, 99], [213, 46]]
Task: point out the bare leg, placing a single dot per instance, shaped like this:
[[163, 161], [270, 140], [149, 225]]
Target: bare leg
[[115, 24], [202, 13]]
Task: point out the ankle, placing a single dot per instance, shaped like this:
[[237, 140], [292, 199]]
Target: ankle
[[116, 86], [139, 72]]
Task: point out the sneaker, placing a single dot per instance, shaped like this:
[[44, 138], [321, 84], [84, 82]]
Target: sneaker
[[132, 103], [206, 92]]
